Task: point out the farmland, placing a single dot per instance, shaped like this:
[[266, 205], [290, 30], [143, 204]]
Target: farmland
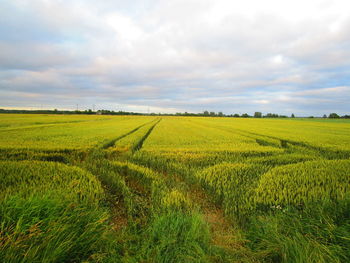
[[173, 189]]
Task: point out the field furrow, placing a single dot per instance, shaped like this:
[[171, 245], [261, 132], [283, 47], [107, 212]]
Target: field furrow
[[173, 189]]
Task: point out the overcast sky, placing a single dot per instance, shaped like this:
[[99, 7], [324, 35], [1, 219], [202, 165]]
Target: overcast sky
[[177, 55]]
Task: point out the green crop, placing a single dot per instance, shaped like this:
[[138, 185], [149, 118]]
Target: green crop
[[50, 212], [41, 178], [305, 182], [95, 188], [232, 184], [81, 134]]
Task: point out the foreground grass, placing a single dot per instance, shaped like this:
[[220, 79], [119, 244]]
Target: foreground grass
[[318, 233], [51, 212], [45, 229]]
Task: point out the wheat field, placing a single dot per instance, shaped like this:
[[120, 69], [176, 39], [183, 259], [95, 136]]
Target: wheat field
[[173, 189]]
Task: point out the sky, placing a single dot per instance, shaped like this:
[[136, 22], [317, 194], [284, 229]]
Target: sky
[[171, 56]]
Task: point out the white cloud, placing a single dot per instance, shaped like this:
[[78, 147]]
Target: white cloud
[[178, 54]]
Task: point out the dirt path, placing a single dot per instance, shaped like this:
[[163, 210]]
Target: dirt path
[[222, 229], [223, 232], [119, 215]]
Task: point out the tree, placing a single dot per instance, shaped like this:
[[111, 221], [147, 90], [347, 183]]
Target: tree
[[206, 113], [220, 114], [292, 116], [236, 115], [333, 116], [257, 114], [245, 115], [324, 116], [271, 115], [212, 113]]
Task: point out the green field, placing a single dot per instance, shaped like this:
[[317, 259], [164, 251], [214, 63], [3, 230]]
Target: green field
[[173, 189]]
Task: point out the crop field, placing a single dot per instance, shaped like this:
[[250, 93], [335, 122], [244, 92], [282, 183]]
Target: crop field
[[103, 188]]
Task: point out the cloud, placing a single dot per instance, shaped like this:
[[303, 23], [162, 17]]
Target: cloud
[[229, 56]]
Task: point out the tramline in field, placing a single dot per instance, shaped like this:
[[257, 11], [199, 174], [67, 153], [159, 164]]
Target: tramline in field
[[173, 189]]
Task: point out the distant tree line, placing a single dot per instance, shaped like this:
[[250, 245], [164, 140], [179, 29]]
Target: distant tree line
[[203, 114], [86, 112]]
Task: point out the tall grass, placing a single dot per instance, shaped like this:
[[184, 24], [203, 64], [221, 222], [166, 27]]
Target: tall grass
[[50, 212], [318, 233], [177, 237], [47, 229]]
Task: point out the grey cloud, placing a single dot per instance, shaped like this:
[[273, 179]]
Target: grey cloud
[[174, 55]]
